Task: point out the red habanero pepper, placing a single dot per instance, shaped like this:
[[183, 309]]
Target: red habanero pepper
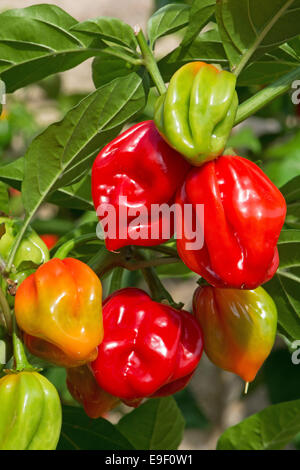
[[149, 349], [133, 172], [243, 216]]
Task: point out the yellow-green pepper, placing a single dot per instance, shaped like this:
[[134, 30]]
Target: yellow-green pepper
[[196, 114]]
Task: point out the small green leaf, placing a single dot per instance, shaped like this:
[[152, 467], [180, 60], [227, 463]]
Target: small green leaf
[[271, 429], [200, 13], [167, 20], [157, 424], [79, 432]]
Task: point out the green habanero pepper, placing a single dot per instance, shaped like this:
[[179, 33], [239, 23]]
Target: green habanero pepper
[[196, 114], [32, 248], [30, 412]]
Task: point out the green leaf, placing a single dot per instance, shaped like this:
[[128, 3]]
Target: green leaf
[[268, 68], [36, 42], [108, 29], [200, 13], [62, 154], [251, 29], [279, 364], [245, 138], [106, 68], [284, 287], [157, 424], [271, 429], [4, 200], [167, 20], [76, 196], [207, 47], [192, 413], [82, 433]]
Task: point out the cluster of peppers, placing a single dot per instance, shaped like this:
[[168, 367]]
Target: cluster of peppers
[[132, 347]]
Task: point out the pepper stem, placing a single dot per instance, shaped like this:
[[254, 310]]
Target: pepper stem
[[149, 61], [4, 307], [21, 362], [63, 251], [265, 96]]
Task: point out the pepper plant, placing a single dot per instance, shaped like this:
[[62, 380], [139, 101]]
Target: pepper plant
[[154, 131]]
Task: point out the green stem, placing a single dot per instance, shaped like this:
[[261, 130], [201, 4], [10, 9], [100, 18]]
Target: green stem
[[265, 96], [116, 280], [104, 261], [150, 62], [68, 246], [157, 289], [19, 352], [16, 244], [5, 311]]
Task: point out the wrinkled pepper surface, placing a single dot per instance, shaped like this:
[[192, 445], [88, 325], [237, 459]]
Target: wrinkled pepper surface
[[61, 304], [84, 388], [147, 346], [134, 171], [239, 327], [243, 216], [32, 248], [30, 412], [196, 114]]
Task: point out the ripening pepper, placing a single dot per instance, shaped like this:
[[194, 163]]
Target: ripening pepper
[[243, 216], [239, 327], [51, 353], [61, 304], [196, 114], [31, 248], [146, 346], [133, 172], [30, 412], [84, 389]]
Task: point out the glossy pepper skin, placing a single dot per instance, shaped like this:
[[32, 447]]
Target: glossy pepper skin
[[239, 327], [140, 166], [32, 248], [84, 388], [30, 412], [61, 304], [243, 216], [146, 346], [196, 114]]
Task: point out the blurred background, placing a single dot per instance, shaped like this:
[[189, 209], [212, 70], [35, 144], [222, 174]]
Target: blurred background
[[214, 399]]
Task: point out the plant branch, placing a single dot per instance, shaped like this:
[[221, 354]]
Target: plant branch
[[265, 96], [149, 61], [4, 307]]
